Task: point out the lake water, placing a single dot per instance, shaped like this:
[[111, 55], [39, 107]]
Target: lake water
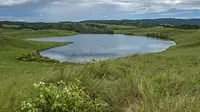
[[102, 46]]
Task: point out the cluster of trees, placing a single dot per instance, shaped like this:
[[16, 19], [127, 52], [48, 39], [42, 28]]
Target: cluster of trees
[[137, 23], [184, 26], [77, 27], [160, 36], [145, 23]]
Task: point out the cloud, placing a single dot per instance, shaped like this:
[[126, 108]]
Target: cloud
[[71, 9], [56, 10], [12, 2], [133, 6], [177, 13]]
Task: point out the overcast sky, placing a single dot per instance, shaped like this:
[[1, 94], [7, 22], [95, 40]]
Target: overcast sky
[[76, 10]]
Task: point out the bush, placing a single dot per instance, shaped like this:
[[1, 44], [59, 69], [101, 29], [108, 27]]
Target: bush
[[60, 97], [160, 36], [35, 56]]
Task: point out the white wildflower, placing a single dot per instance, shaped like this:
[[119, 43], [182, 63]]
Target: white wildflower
[[35, 85], [42, 83], [57, 96], [62, 82], [65, 88], [30, 105]]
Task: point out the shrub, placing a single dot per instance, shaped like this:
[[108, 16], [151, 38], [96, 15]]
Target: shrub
[[60, 97], [35, 56], [160, 36]]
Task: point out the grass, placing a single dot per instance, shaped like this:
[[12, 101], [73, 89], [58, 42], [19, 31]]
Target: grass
[[28, 33], [168, 81]]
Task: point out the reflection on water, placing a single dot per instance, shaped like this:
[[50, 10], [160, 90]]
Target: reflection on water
[[102, 46]]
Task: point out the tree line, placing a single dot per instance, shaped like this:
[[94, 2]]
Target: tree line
[[145, 23], [184, 26], [77, 27]]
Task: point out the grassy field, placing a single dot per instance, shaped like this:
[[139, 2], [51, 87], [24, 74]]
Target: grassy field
[[165, 82]]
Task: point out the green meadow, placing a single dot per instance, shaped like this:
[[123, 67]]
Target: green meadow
[[168, 81]]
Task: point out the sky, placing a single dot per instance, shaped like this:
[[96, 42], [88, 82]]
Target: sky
[[78, 10]]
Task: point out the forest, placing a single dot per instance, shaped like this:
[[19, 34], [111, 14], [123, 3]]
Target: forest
[[77, 27], [101, 26]]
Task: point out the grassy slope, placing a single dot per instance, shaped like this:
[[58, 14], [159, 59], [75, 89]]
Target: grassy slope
[[27, 33], [167, 81], [17, 76]]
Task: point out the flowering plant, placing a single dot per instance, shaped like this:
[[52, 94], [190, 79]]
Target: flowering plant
[[60, 97]]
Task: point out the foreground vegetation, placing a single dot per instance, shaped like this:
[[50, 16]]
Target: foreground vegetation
[[167, 81], [61, 97]]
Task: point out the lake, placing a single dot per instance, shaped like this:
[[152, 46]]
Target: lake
[[86, 47]]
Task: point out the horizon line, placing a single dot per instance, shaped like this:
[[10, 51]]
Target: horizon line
[[97, 20]]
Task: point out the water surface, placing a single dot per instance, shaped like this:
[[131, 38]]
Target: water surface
[[102, 46]]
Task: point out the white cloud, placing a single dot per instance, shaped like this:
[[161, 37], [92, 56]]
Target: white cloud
[[176, 13], [12, 2], [134, 6]]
